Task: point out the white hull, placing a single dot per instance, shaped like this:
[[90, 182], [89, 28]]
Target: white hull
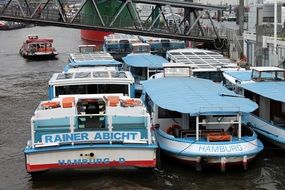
[[272, 133], [214, 152], [90, 158]]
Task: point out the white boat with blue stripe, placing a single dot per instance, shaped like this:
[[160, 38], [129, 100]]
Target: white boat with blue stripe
[[265, 86], [199, 121], [89, 131]]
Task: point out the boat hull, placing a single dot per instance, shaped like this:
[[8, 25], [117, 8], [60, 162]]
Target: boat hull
[[93, 35], [38, 56], [89, 157], [232, 152], [270, 132]]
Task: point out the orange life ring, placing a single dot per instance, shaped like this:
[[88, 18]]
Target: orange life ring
[[171, 130], [50, 104]]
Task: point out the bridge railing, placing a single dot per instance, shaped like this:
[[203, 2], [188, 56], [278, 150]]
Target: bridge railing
[[52, 14]]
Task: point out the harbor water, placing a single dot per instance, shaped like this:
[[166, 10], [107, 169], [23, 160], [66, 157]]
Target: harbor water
[[23, 84]]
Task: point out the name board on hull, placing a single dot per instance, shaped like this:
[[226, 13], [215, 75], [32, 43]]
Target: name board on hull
[[91, 136]]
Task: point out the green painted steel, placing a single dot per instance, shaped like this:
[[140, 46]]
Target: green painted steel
[[107, 9]]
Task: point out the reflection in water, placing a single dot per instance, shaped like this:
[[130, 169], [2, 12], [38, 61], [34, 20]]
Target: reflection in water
[[24, 83]]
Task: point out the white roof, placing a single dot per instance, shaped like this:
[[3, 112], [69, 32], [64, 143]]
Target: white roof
[[200, 59], [116, 36], [267, 69], [77, 76]]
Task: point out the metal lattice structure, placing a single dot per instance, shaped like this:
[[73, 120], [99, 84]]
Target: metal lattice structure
[[52, 12]]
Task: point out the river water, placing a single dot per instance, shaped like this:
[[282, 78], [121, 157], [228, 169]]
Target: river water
[[24, 83]]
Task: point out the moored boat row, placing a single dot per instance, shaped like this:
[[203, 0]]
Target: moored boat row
[[193, 119]]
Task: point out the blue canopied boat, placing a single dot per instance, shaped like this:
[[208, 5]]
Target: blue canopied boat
[[161, 45], [89, 57], [197, 120], [119, 45], [90, 131], [142, 64], [265, 86]]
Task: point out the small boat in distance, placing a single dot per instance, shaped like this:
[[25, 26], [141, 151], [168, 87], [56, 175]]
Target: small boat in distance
[[38, 48], [200, 121], [119, 45], [90, 131]]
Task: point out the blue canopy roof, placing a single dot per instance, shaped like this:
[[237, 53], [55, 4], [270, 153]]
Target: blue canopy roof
[[196, 96], [145, 60], [272, 90], [240, 75]]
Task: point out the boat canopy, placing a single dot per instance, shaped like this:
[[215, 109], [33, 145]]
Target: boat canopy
[[240, 75], [196, 96], [272, 90], [145, 60]]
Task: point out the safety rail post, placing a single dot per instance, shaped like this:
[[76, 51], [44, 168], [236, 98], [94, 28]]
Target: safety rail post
[[148, 123], [110, 125], [197, 127], [239, 126]]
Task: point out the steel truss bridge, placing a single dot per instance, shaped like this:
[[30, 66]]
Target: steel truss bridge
[[52, 12]]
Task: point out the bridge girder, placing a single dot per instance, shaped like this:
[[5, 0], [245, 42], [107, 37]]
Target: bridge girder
[[51, 12]]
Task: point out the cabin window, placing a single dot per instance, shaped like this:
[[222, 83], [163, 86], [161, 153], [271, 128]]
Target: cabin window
[[64, 76], [164, 113], [255, 75], [139, 73], [92, 89], [276, 114], [82, 75], [214, 76]]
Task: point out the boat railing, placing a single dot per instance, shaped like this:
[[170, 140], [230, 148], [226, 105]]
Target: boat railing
[[136, 128]]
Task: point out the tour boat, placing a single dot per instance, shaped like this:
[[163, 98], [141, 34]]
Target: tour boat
[[204, 63], [199, 121], [91, 80], [265, 86], [90, 131], [119, 45], [161, 45], [38, 48], [142, 64], [89, 57]]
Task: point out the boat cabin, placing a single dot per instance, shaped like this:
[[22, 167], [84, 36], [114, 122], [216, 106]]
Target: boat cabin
[[267, 74], [91, 81], [87, 48], [140, 48]]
